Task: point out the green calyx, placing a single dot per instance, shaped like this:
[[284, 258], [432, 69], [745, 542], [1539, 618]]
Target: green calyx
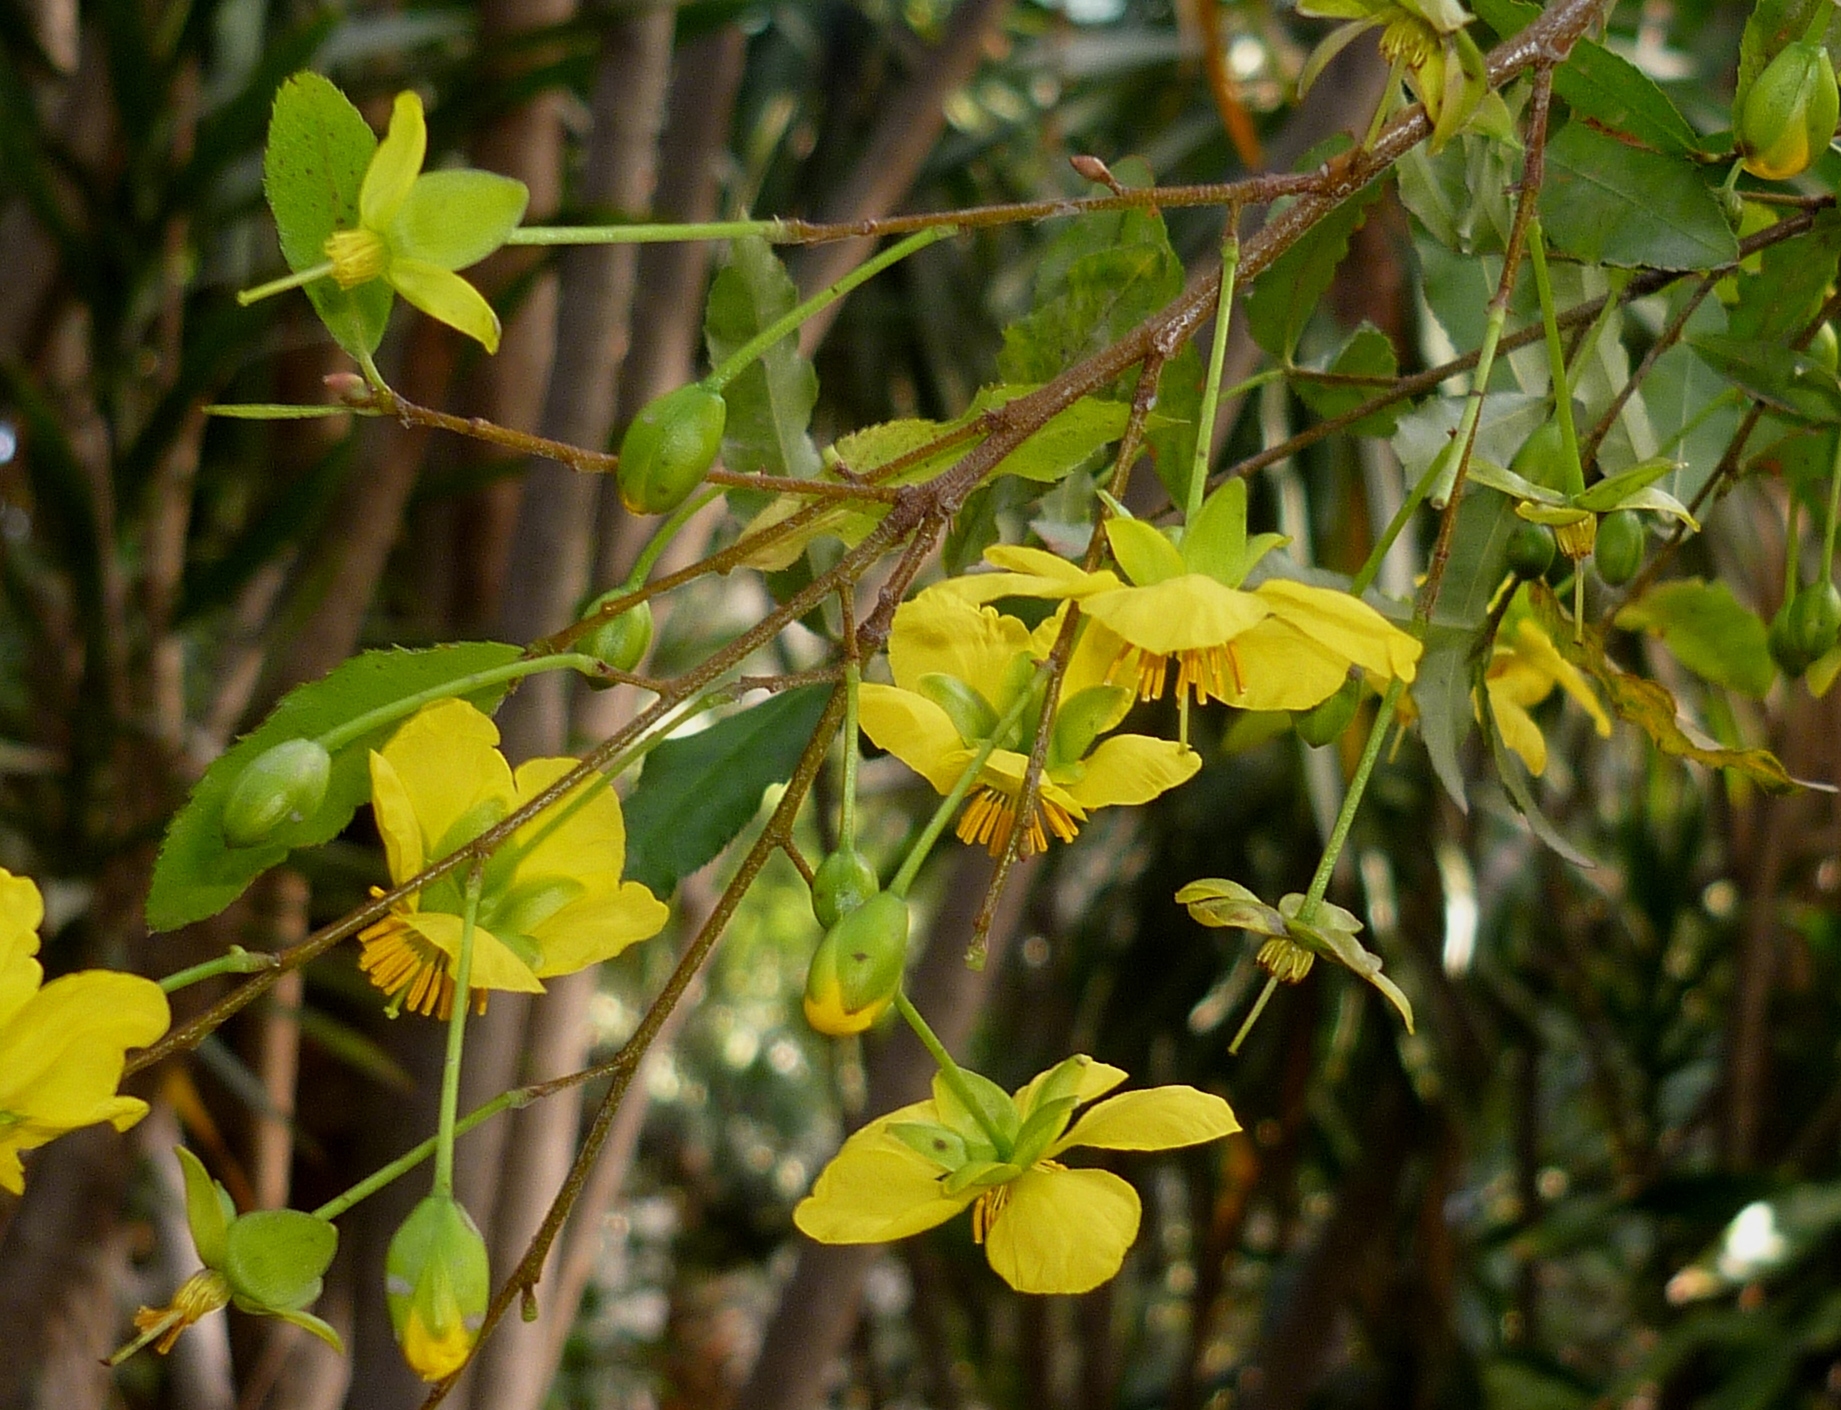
[[620, 642], [1325, 721], [1806, 628], [1788, 115], [857, 968], [1618, 552], [843, 882]]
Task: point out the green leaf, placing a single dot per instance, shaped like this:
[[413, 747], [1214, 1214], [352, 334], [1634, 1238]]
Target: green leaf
[[1067, 440], [1442, 695], [318, 149], [1368, 353], [1285, 296], [770, 405], [1708, 630], [1605, 87], [696, 794], [1779, 301], [275, 1258], [1606, 202], [1770, 372], [1460, 194], [1515, 781], [198, 874], [1170, 434]]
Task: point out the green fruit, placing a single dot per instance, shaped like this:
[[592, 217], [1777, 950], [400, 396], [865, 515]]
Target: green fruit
[[1788, 117], [844, 881], [1786, 647], [620, 642], [1619, 548], [1812, 624], [1325, 721], [1542, 457], [856, 969], [1531, 550], [670, 447], [1825, 348], [284, 784]]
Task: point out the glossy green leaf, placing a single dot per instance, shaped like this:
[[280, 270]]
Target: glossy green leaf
[[1442, 695], [1288, 291], [1067, 440], [1770, 372], [275, 1258], [1607, 202], [770, 404], [1708, 630], [696, 794], [198, 874], [1368, 353], [318, 149], [1778, 302]]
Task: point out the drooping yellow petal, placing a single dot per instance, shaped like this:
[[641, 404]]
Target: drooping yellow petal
[[583, 835], [494, 964], [1517, 727], [938, 632], [22, 911], [1280, 668], [1155, 1119], [444, 296], [1062, 1231], [395, 164], [1184, 613], [1345, 624], [451, 778], [1536, 647], [1028, 572], [915, 731], [876, 1188], [597, 927], [1133, 768]]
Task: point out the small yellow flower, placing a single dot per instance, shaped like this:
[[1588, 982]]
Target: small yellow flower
[[62, 1045], [1523, 670], [958, 670], [415, 228], [552, 901], [1044, 1227]]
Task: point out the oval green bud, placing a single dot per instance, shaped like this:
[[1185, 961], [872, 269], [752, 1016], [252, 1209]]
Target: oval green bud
[[1825, 348], [280, 785], [620, 642], [844, 880], [1325, 721], [1786, 649], [1815, 621], [437, 1282], [1531, 550], [856, 969], [1788, 117], [669, 448], [1618, 551]]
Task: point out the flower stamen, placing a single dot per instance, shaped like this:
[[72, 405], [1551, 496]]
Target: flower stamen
[[991, 814], [411, 971]]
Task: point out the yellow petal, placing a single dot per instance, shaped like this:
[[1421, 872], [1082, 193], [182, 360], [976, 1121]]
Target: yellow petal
[[1133, 768], [1537, 648], [915, 731], [1029, 572], [597, 927], [1063, 1231], [1518, 730], [61, 1055], [583, 835], [938, 632], [1178, 614], [1345, 624], [1160, 1118], [876, 1188], [443, 295], [395, 164], [452, 776], [1283, 669], [22, 911], [494, 964]]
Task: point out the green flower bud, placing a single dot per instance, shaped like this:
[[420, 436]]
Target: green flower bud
[[670, 447], [856, 970], [284, 784], [1806, 628], [1542, 457], [1788, 117], [844, 881], [620, 642], [437, 1281], [1619, 548], [1825, 348], [1325, 721], [1531, 550]]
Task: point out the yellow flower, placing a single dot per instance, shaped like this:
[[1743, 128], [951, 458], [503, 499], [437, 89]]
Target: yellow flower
[[959, 668], [62, 1045], [1044, 1227], [552, 901], [1523, 669], [415, 229], [1282, 646]]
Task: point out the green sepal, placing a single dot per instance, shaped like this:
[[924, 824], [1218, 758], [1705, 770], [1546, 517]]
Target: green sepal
[[971, 714], [1083, 718], [307, 1322], [942, 1145], [1229, 905], [208, 1209], [1145, 554], [275, 1258], [1042, 1129], [979, 1172], [997, 1111]]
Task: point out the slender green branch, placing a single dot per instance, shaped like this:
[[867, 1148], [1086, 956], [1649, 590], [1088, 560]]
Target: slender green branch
[[360, 725], [415, 1155], [1217, 359], [1352, 800], [299, 277], [236, 960]]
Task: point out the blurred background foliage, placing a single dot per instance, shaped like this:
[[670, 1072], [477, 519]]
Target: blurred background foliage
[[1605, 1172]]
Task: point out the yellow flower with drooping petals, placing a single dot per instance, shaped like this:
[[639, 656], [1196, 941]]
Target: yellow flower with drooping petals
[[62, 1045], [1044, 1227], [1281, 646], [552, 901], [959, 669], [1524, 667]]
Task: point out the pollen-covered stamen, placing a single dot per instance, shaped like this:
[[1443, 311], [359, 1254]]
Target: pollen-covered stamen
[[990, 815], [986, 1209], [358, 256], [410, 970], [1285, 960], [198, 1296]]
